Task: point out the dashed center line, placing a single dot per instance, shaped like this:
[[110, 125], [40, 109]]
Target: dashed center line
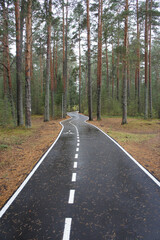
[[78, 140], [78, 144], [74, 176], [71, 196], [77, 149], [76, 155], [67, 229], [75, 165]]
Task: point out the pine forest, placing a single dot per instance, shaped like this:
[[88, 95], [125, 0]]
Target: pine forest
[[101, 58]]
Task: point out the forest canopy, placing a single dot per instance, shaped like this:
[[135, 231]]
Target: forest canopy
[[96, 57]]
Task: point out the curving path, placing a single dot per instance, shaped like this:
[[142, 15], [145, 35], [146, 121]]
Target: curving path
[[85, 188]]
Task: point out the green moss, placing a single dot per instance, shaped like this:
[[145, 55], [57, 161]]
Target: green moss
[[3, 146], [130, 137]]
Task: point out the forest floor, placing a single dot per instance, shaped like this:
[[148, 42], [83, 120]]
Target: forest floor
[[21, 148], [140, 138]]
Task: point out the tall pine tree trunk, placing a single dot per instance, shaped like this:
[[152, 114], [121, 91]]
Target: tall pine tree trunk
[[64, 83], [79, 69], [146, 63], [118, 64], [150, 76], [28, 65], [107, 68], [7, 62], [124, 100], [138, 60], [52, 81], [56, 62], [89, 65], [66, 63], [18, 67], [46, 108], [99, 63], [112, 70]]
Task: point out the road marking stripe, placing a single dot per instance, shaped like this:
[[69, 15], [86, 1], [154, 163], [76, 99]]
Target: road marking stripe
[[77, 149], [75, 165], [78, 140], [76, 155], [71, 196], [78, 144], [67, 229], [134, 160], [74, 176]]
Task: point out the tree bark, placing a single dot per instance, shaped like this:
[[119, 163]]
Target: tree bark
[[99, 63], [56, 63], [28, 66], [137, 79], [150, 76], [146, 63], [112, 71], [66, 64], [6, 50], [124, 101], [89, 65], [118, 64], [46, 108], [79, 68], [107, 68], [20, 121], [52, 81]]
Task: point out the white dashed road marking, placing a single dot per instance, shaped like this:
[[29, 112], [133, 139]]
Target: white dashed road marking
[[67, 229], [74, 176], [75, 165], [76, 155], [71, 196]]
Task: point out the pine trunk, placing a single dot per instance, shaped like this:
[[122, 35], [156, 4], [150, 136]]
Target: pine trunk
[[66, 64], [46, 109], [118, 65], [27, 66], [150, 76], [52, 82], [41, 72], [79, 69], [99, 63], [64, 82], [7, 61], [112, 71], [146, 63], [56, 64], [124, 92], [107, 69], [89, 65], [18, 67], [138, 59]]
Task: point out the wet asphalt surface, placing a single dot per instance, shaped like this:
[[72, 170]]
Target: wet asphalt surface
[[113, 200]]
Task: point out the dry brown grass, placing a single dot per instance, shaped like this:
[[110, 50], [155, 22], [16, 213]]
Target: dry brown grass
[[20, 150]]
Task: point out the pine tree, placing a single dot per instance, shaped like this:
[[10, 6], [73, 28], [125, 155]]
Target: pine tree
[[18, 67], [28, 65], [89, 64]]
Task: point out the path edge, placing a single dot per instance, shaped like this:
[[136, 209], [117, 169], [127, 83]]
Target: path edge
[[26, 180], [132, 158]]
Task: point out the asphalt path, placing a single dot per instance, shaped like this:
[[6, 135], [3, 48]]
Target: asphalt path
[[86, 188]]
